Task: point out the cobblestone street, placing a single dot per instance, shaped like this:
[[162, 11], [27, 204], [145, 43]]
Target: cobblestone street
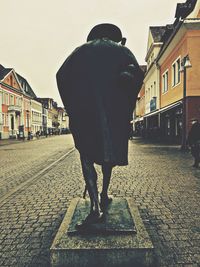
[[159, 178]]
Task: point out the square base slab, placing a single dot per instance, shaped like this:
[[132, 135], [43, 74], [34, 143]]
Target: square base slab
[[117, 219], [121, 246]]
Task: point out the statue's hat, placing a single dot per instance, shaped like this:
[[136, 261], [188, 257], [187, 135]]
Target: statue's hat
[[108, 30]]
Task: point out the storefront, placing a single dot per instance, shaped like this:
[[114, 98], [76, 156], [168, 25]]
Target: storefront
[[171, 123], [152, 125], [139, 126]]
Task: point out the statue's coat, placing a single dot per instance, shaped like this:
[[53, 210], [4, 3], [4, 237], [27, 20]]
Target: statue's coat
[[99, 83]]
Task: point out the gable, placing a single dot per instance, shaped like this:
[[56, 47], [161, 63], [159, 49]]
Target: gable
[[11, 80], [150, 40]]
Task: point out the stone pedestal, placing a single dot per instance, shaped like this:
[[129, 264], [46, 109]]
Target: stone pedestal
[[119, 240]]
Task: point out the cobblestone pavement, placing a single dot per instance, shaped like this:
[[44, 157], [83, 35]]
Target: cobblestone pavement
[[159, 178], [20, 161]]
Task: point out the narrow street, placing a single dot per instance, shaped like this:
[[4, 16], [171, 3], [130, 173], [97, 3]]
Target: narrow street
[[38, 179]]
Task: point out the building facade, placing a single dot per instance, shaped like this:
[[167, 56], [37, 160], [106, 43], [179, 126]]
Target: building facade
[[11, 103], [179, 87], [36, 117], [23, 113], [172, 90], [15, 104], [62, 119], [152, 82]]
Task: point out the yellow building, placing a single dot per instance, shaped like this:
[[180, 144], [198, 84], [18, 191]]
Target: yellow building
[[176, 88]]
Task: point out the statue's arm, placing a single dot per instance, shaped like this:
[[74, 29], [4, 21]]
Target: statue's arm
[[131, 77], [64, 78]]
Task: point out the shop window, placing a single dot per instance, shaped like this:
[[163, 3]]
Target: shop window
[[176, 72], [176, 126], [165, 82], [168, 126]]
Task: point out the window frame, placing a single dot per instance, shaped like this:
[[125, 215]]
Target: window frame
[[165, 73], [176, 76]]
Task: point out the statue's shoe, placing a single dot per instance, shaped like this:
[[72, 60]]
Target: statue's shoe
[[104, 202], [92, 218]]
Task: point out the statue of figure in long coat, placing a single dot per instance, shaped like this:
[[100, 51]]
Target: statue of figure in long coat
[[99, 83]]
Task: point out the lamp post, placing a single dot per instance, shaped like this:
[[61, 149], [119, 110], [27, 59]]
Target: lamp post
[[185, 63]]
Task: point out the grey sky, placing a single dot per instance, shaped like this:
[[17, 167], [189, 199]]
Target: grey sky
[[37, 35]]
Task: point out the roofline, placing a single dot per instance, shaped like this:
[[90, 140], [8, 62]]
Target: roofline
[[15, 74], [169, 40], [45, 98], [151, 48], [182, 23], [28, 85], [6, 74]]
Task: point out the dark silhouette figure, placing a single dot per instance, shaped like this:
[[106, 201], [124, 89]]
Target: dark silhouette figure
[[99, 83], [194, 142]]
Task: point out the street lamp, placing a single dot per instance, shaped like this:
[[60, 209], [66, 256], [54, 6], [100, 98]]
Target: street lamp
[[185, 64]]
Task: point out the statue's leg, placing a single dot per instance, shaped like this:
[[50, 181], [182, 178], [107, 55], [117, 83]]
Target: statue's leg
[[90, 177], [105, 200]]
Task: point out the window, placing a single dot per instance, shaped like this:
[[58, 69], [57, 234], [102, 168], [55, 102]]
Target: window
[[154, 84], [3, 119], [165, 82], [20, 102], [176, 72], [6, 99], [11, 99], [27, 120], [3, 98], [152, 57]]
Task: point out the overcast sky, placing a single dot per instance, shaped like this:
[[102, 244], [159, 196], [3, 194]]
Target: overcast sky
[[37, 35]]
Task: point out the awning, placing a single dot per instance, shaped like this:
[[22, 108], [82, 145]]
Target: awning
[[170, 106], [163, 109], [152, 113], [139, 119]]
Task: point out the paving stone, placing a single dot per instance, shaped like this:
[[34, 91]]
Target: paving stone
[[160, 179]]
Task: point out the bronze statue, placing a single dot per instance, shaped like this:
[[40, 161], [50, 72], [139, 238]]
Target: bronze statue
[[99, 83]]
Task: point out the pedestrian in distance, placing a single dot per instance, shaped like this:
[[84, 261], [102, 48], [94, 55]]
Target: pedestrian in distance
[[194, 142], [37, 134], [99, 83]]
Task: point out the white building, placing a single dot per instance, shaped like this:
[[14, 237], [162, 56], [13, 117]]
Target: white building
[[36, 116], [152, 77]]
